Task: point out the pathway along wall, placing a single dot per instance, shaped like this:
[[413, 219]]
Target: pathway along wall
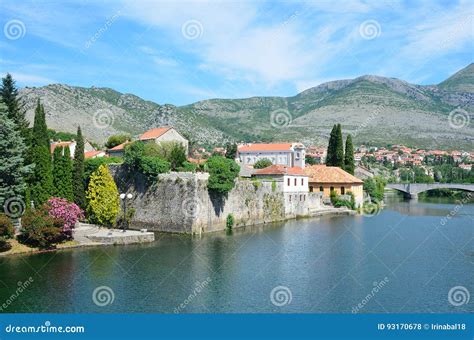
[[180, 202]]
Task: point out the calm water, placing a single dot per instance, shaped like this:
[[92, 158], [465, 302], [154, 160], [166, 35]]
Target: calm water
[[409, 252]]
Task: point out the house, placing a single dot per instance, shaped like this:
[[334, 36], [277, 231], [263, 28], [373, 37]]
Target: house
[[94, 154], [71, 145], [325, 179], [287, 154], [164, 134], [293, 183], [118, 150]]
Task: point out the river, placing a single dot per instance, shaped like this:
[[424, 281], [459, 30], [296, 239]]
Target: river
[[406, 258]]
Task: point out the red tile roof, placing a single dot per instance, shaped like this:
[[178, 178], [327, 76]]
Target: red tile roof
[[329, 174], [265, 147], [280, 170], [120, 146], [155, 133], [93, 153]]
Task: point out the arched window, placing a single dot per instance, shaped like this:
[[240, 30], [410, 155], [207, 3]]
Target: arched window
[[343, 190], [321, 188]]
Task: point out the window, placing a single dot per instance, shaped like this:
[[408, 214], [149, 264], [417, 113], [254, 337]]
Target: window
[[331, 188], [321, 188], [311, 188], [289, 182], [290, 198], [302, 181], [343, 190], [301, 198], [295, 182]]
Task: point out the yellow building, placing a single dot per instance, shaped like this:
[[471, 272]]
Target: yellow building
[[324, 179]]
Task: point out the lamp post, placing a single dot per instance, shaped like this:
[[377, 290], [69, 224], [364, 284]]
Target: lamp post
[[124, 198]]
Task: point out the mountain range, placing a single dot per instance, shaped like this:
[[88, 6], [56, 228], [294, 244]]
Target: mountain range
[[375, 110]]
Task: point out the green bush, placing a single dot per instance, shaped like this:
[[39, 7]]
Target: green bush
[[153, 166], [172, 152], [92, 164], [188, 167], [133, 154], [229, 221], [115, 140], [222, 174], [41, 230], [262, 163], [6, 227]]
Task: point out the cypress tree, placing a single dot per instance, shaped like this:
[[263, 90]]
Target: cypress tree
[[331, 147], [339, 148], [62, 173], [15, 108], [42, 178], [12, 167], [349, 165], [78, 171]]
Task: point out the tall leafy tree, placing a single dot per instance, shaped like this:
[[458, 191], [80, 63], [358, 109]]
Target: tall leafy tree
[[330, 155], [339, 148], [12, 167], [42, 178], [102, 197], [349, 165], [231, 150], [15, 108], [78, 171], [62, 173]]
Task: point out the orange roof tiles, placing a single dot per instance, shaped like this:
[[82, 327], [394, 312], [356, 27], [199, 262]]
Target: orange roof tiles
[[93, 153], [280, 170], [330, 174], [120, 146], [265, 147], [155, 133]]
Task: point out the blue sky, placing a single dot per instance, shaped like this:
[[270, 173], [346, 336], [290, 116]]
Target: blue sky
[[180, 52]]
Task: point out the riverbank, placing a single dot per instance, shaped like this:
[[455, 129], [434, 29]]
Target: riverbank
[[88, 235]]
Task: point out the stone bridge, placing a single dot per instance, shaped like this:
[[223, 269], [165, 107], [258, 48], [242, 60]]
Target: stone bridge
[[413, 189]]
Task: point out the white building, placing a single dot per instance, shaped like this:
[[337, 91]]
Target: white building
[[287, 154]]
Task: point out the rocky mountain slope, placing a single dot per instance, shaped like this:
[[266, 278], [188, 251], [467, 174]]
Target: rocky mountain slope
[[373, 109]]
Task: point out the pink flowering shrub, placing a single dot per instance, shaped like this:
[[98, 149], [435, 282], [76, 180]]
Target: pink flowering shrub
[[68, 212]]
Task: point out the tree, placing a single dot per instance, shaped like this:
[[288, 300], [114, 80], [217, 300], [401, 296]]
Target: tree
[[62, 173], [172, 152], [78, 171], [231, 151], [102, 198], [222, 174], [39, 229], [331, 147], [42, 178], [262, 163], [115, 140], [12, 163], [15, 108], [339, 148], [349, 165]]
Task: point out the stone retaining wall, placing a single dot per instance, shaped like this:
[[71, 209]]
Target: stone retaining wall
[[181, 203]]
